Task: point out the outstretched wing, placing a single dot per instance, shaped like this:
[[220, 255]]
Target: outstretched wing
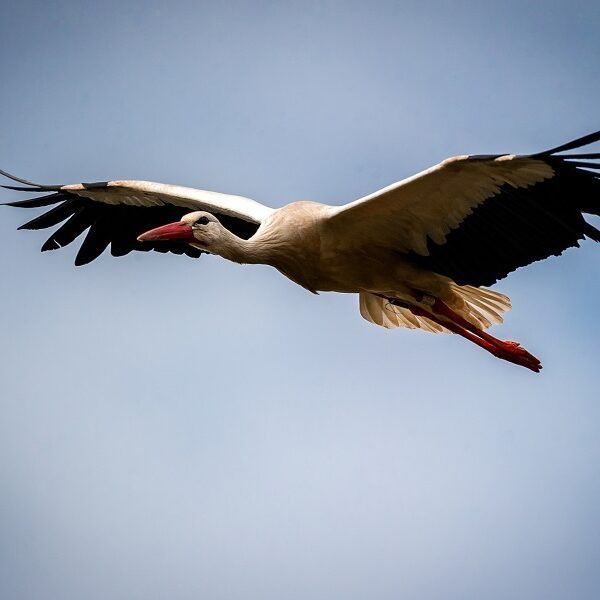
[[477, 218], [116, 212]]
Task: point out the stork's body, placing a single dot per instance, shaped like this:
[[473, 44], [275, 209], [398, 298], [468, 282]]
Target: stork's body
[[299, 241], [418, 252]]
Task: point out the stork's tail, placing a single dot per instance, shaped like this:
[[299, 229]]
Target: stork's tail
[[480, 306]]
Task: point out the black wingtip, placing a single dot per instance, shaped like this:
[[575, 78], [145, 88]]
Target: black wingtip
[[81, 262], [33, 186], [37, 202], [584, 155], [20, 188], [15, 178], [591, 232], [50, 244], [590, 138]]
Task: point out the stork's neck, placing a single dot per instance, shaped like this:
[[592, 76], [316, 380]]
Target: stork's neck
[[239, 250], [293, 250]]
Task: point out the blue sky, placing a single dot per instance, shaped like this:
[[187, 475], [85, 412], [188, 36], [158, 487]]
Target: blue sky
[[183, 429]]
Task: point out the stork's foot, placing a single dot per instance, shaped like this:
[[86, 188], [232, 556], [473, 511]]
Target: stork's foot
[[515, 353], [443, 315]]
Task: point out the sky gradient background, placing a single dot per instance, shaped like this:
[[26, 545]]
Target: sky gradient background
[[184, 429]]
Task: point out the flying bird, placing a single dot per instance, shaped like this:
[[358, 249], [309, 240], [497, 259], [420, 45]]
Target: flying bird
[[419, 253]]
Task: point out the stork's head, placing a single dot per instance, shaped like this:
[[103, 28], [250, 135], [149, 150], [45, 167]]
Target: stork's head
[[200, 229]]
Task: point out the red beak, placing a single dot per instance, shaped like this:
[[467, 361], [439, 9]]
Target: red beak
[[172, 231]]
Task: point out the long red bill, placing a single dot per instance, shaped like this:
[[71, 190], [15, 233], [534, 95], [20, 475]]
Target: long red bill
[[172, 231]]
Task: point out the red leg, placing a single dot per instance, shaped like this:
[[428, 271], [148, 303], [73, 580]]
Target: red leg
[[506, 349], [443, 315]]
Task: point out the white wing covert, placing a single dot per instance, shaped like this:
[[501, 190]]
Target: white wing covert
[[476, 218]]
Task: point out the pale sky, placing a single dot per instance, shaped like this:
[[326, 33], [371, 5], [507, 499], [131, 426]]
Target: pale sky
[[183, 429]]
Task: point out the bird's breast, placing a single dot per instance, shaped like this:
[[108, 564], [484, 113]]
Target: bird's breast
[[297, 243]]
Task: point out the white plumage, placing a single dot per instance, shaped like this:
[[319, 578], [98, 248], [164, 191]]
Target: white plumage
[[419, 253]]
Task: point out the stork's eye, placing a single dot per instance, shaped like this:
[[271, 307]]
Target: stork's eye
[[202, 221]]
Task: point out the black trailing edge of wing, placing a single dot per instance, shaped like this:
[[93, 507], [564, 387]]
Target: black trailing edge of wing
[[518, 226], [117, 225]]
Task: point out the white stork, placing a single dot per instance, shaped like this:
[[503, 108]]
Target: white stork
[[416, 252]]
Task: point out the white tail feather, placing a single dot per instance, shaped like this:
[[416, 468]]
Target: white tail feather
[[479, 306], [381, 312]]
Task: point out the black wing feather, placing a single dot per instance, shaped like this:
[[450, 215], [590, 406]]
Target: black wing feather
[[68, 231], [37, 202], [518, 226], [53, 217], [94, 244], [115, 225]]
